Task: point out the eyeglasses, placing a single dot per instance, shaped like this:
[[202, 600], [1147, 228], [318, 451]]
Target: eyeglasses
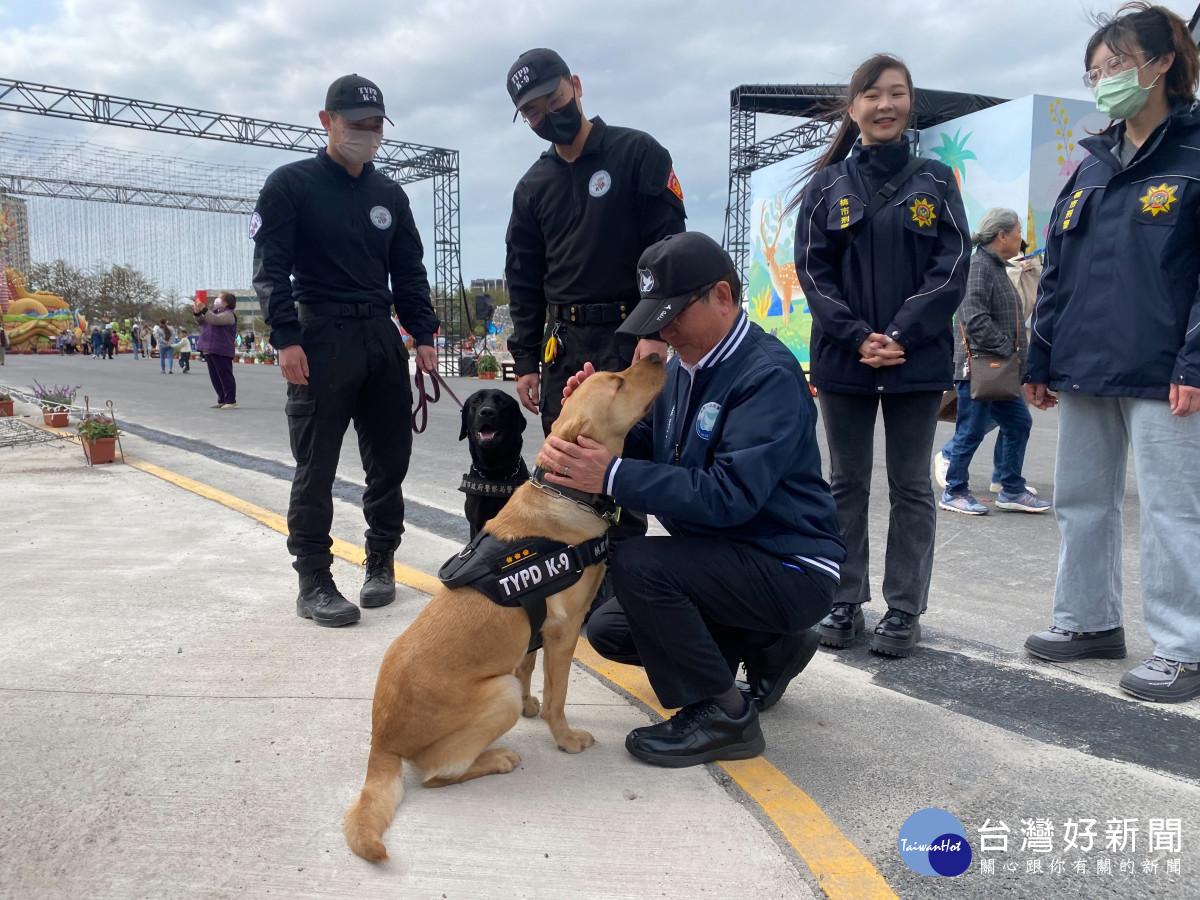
[[536, 115], [1112, 66]]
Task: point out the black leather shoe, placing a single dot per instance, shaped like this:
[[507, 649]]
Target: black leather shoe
[[771, 668], [838, 628], [697, 734], [896, 634], [379, 588], [321, 601]]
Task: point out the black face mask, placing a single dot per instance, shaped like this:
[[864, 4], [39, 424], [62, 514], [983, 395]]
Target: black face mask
[[561, 126]]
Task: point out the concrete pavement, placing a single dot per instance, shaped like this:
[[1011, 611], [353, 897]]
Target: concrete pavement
[[172, 729], [968, 723]]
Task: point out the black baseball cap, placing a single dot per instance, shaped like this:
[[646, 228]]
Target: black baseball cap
[[536, 73], [669, 273], [356, 98]]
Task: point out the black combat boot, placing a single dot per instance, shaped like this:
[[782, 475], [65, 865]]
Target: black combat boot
[[838, 628], [897, 633], [321, 601], [379, 588]]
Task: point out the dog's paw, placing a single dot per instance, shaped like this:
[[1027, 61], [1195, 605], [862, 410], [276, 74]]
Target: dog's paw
[[506, 760], [576, 741], [530, 707]]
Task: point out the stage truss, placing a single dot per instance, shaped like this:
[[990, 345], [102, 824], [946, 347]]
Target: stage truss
[[124, 183]]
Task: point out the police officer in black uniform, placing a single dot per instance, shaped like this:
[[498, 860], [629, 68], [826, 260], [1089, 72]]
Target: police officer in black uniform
[[329, 233], [582, 215]]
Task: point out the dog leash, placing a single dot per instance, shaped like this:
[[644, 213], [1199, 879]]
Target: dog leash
[[423, 399]]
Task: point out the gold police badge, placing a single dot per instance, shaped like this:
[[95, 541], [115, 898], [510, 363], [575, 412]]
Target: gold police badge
[[922, 213], [1158, 199]]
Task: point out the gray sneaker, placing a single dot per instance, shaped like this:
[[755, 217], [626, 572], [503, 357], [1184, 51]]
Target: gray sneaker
[[1058, 645], [1163, 680], [996, 487], [1022, 502], [941, 465]]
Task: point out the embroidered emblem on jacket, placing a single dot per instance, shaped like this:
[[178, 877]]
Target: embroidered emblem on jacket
[[922, 213], [1158, 199]]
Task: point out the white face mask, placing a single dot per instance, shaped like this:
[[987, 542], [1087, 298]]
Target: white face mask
[[359, 147]]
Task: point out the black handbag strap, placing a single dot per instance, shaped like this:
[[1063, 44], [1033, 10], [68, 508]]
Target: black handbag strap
[[887, 192]]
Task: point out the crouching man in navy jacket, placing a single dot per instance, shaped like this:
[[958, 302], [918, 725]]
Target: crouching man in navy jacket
[[727, 459]]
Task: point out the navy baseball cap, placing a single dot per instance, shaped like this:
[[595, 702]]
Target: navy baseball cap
[[355, 98], [536, 73], [669, 273]]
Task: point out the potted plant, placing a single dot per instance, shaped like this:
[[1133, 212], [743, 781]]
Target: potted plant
[[56, 402], [487, 366], [6, 404], [99, 437]]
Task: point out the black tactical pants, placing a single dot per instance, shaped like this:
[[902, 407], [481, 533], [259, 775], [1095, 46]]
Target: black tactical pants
[[358, 371], [688, 609]]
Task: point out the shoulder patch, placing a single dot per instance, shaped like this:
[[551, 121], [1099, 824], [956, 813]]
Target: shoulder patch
[[674, 186], [255, 224]]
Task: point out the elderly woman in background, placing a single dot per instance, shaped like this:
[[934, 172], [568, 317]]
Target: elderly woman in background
[[989, 322], [218, 326]]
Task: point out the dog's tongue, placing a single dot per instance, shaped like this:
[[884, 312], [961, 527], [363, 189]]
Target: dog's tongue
[[486, 434]]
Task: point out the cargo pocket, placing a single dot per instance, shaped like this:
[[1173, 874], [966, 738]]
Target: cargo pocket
[[301, 416]]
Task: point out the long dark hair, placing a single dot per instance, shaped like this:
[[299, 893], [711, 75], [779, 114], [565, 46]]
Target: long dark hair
[[1157, 30], [847, 131]]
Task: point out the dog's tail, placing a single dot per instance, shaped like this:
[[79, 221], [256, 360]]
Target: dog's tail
[[372, 812]]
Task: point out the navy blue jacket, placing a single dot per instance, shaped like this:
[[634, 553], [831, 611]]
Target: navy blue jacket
[[1118, 313], [741, 461], [904, 276], [321, 235]]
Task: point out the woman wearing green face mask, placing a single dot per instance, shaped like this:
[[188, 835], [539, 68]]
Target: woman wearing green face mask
[[1116, 333]]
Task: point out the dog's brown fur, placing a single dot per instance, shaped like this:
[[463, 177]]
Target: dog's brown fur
[[459, 677]]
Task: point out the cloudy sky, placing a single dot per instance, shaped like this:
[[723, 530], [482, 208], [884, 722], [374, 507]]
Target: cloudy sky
[[665, 67]]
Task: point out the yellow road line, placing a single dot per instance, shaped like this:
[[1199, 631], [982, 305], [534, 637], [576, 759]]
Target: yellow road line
[[840, 869], [842, 872]]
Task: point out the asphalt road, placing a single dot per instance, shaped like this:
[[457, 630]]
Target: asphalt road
[[968, 723]]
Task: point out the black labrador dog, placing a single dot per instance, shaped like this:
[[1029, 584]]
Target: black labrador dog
[[492, 424]]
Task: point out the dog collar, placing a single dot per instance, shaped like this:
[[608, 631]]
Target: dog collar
[[600, 505], [475, 483]]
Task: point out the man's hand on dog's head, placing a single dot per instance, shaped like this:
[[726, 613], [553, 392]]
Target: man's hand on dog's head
[[577, 379], [580, 466]]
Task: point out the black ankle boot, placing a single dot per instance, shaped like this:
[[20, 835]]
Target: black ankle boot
[[838, 628], [379, 589], [321, 601], [897, 633]]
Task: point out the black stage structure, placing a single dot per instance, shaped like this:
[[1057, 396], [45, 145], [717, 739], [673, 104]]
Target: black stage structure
[[403, 161], [808, 102]]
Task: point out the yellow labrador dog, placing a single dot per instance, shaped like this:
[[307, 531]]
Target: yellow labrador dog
[[458, 677]]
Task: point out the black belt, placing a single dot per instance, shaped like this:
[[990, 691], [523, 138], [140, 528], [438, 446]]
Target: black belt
[[345, 310], [592, 313]]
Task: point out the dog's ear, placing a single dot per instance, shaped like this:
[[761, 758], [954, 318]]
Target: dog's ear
[[466, 416]]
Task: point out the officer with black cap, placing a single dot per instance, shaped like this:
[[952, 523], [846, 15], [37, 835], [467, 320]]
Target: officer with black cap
[[728, 461], [582, 215], [335, 249]]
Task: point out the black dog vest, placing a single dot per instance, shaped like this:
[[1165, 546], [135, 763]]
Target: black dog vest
[[523, 572]]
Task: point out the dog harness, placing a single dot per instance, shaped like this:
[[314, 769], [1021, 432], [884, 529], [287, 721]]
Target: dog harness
[[523, 572]]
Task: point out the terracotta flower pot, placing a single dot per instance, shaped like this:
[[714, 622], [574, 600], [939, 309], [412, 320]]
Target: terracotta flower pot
[[6, 408], [55, 418], [488, 376], [101, 450]]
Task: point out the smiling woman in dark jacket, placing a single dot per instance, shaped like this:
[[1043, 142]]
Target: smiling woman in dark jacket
[[1116, 332], [882, 289]]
